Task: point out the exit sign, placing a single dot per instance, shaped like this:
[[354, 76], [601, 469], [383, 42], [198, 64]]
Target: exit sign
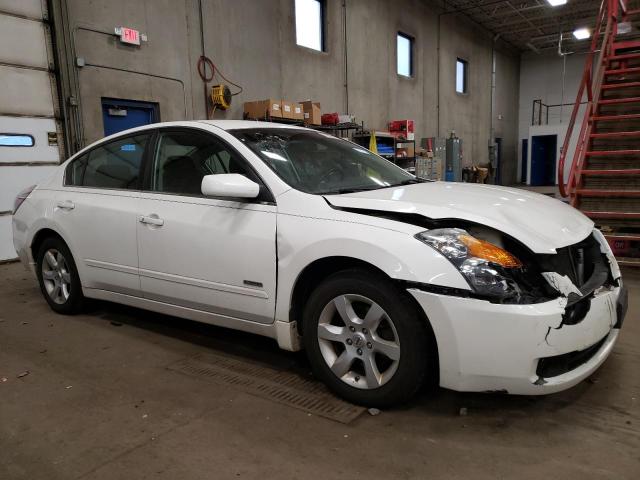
[[129, 35]]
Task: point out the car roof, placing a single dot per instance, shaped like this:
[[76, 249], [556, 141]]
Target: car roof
[[238, 124]]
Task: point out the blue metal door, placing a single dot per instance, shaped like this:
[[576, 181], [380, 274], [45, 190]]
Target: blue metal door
[[543, 159], [118, 115], [525, 161]]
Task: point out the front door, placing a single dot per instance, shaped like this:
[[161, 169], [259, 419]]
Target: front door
[[212, 254]]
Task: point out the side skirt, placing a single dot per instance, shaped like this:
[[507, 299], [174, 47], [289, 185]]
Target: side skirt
[[266, 330]]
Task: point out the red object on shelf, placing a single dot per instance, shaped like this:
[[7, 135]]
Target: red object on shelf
[[402, 129], [330, 118], [401, 126]]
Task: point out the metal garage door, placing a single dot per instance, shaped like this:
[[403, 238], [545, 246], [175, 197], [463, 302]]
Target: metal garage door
[[28, 99]]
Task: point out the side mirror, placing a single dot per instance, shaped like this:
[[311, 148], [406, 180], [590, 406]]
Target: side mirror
[[231, 185]]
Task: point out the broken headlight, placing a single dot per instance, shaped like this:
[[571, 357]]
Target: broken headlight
[[486, 267]]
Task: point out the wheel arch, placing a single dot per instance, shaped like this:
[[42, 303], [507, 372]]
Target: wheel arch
[[40, 237], [317, 271], [320, 269]]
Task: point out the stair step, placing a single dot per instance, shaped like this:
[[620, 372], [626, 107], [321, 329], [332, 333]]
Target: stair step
[[613, 86], [589, 192], [629, 171], [626, 56], [612, 101], [634, 237], [603, 153], [615, 134], [622, 71], [614, 214], [628, 261], [610, 182], [605, 118]]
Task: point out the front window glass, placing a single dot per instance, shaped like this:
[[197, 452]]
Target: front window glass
[[183, 157], [321, 164]]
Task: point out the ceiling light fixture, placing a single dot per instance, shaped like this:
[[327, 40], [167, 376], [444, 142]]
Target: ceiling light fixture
[[581, 33], [556, 3]]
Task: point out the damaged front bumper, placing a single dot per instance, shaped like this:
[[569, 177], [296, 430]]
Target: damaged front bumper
[[484, 346]]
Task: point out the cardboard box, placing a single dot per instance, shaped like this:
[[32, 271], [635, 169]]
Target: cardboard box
[[261, 109], [312, 112], [292, 110]]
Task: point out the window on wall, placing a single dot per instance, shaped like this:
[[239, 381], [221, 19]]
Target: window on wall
[[405, 55], [16, 140], [462, 74], [310, 24]]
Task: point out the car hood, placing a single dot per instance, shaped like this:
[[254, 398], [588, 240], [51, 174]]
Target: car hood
[[540, 222]]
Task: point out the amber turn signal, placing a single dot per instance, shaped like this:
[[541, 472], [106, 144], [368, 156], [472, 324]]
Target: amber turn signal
[[490, 252]]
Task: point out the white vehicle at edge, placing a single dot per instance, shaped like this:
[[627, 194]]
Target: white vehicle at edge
[[386, 280]]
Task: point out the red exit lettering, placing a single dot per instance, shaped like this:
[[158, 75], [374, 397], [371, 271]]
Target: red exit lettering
[[129, 35]]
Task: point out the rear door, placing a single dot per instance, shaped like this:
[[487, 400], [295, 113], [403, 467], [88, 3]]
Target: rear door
[[29, 150], [97, 210]]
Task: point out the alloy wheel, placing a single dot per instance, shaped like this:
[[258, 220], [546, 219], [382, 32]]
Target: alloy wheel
[[358, 341], [56, 276]]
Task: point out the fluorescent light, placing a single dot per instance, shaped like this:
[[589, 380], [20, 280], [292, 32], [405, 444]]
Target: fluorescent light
[[556, 3], [582, 33]]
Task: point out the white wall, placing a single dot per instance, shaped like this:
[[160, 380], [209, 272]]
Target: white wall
[[541, 78]]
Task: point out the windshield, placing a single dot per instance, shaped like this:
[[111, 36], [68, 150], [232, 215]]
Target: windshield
[[321, 164]]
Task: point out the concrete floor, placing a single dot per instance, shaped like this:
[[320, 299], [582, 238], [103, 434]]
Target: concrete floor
[[99, 403]]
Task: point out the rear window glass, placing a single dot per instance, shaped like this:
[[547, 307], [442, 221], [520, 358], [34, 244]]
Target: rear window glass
[[114, 165]]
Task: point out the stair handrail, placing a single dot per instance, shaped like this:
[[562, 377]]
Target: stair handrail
[[608, 8]]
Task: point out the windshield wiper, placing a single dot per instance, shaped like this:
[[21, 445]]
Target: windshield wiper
[[339, 191], [410, 181]]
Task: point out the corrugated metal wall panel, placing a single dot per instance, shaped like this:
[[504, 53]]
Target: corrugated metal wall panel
[[27, 106], [39, 128], [25, 92], [28, 45], [27, 8], [6, 239]]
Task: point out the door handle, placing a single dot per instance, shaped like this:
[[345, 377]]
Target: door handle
[[66, 205], [151, 220]]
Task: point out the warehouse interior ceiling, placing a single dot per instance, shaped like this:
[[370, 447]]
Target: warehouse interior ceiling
[[532, 24]]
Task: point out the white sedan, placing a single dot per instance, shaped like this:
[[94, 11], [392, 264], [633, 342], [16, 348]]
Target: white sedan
[[386, 280]]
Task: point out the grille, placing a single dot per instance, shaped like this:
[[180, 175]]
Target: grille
[[553, 366]]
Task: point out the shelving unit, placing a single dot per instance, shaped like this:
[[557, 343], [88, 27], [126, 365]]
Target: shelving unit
[[269, 118], [341, 130], [388, 146]]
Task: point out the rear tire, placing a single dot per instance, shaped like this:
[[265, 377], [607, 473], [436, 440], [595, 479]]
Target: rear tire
[[58, 277], [365, 339]]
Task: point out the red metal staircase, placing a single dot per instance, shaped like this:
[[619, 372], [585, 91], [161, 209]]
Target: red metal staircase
[[604, 178]]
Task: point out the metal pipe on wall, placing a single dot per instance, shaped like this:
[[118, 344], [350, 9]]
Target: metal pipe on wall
[[346, 62]]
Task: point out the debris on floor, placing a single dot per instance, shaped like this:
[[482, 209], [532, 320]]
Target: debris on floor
[[23, 374], [116, 324], [373, 411], [463, 411]]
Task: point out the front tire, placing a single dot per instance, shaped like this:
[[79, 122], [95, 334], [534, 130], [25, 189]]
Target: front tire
[[365, 339], [58, 277]]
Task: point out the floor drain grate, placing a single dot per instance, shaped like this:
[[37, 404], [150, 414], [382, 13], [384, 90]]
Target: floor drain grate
[[280, 386]]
